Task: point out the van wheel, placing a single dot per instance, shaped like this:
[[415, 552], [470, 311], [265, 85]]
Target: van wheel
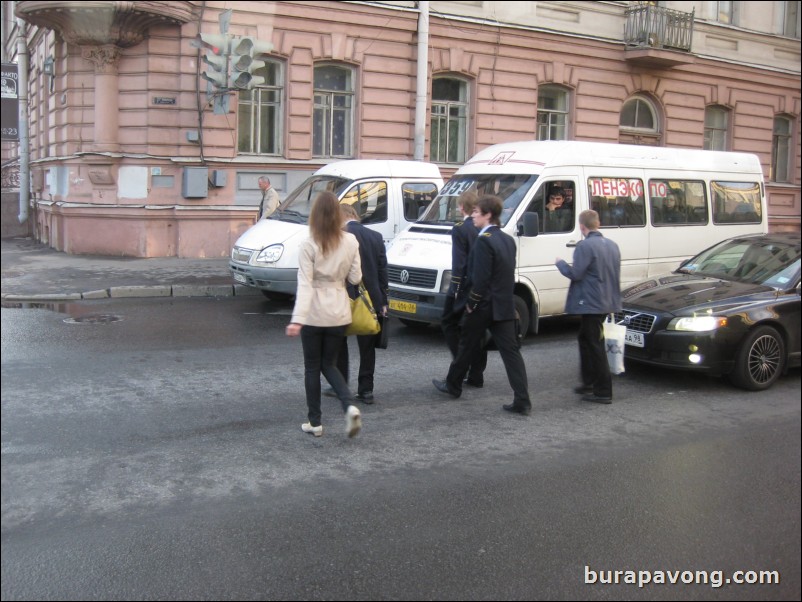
[[760, 360], [413, 324], [274, 296], [523, 315]]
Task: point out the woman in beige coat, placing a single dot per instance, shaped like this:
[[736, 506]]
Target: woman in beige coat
[[322, 308]]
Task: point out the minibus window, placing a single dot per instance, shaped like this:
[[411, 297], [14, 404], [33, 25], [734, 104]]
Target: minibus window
[[677, 202], [370, 201], [736, 202], [554, 205], [620, 202]]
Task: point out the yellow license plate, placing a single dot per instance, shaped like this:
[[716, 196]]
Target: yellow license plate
[[409, 308]]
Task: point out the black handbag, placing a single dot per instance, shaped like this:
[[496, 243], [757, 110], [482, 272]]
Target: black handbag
[[383, 339]]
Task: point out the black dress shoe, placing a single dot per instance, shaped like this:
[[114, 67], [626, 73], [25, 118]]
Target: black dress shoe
[[524, 411], [583, 389], [442, 386], [476, 384], [597, 398], [366, 397]]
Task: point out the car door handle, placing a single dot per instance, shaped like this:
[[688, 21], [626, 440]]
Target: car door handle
[[571, 244]]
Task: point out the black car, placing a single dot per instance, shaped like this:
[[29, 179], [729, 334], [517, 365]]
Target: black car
[[732, 310]]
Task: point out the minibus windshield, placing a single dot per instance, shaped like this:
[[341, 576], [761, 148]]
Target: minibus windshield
[[297, 206], [510, 188]]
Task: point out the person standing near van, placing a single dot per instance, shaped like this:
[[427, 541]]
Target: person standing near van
[[328, 258], [594, 292], [374, 274], [270, 200], [463, 237], [490, 306]]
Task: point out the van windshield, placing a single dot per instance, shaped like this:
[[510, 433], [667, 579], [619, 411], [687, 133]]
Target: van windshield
[[298, 204], [510, 188]]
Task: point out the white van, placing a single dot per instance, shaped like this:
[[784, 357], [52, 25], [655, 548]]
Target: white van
[[717, 195], [387, 195]]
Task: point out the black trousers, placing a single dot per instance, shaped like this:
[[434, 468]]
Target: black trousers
[[593, 364], [474, 325], [451, 322], [321, 346], [367, 362]]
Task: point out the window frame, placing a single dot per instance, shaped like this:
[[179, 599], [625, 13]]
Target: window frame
[[553, 113], [786, 138], [331, 103], [441, 111], [256, 107], [710, 131], [655, 132]]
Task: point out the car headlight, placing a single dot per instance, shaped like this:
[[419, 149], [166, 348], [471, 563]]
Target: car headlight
[[697, 323], [270, 254], [446, 282]]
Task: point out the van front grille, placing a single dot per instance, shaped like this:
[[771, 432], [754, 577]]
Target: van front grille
[[416, 277]]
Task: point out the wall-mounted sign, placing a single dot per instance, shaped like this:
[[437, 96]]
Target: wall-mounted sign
[[9, 103], [163, 100]]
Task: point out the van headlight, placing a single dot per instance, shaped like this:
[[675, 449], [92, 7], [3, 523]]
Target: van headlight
[[270, 254], [445, 282], [697, 323]]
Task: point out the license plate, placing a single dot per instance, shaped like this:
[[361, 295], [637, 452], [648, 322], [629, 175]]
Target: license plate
[[409, 308], [239, 277], [633, 338]]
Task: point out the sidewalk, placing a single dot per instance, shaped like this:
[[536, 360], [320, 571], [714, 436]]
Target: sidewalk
[[34, 272]]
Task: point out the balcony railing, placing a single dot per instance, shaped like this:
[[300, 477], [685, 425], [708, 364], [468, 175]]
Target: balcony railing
[[650, 26]]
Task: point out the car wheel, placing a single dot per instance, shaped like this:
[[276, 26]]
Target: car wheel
[[523, 315], [760, 359], [274, 296]]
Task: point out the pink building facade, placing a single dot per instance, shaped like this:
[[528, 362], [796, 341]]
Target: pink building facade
[[127, 156]]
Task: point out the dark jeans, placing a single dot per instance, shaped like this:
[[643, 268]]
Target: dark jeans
[[367, 361], [450, 322], [321, 346], [593, 356], [474, 325]]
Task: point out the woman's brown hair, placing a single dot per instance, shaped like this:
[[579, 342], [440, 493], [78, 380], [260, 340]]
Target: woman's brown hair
[[325, 222]]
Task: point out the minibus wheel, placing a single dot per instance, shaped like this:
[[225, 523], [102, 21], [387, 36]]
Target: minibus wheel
[[523, 314]]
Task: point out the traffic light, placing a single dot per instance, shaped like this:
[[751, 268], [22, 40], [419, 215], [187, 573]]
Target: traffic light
[[218, 47], [243, 63]]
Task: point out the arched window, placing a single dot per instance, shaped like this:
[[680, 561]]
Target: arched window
[[260, 113], [449, 128], [781, 150], [552, 113], [717, 120], [333, 120], [639, 123]]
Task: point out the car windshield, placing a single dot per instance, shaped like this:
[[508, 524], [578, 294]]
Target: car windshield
[[749, 260], [511, 188], [297, 206]]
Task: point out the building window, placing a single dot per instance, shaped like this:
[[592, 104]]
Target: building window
[[781, 150], [260, 114], [449, 135], [791, 21], [727, 12], [333, 121], [639, 123], [552, 113], [716, 127]]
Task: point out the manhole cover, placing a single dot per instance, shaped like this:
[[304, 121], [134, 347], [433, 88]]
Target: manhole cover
[[95, 319]]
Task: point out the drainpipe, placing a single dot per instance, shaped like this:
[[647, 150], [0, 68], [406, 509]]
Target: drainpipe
[[24, 141], [422, 80]]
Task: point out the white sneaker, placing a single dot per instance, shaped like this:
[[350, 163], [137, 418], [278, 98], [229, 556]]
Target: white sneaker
[[353, 421], [317, 431]]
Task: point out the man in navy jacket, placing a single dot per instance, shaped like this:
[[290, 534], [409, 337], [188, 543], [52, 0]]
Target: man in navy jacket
[[594, 292], [374, 276], [490, 306]]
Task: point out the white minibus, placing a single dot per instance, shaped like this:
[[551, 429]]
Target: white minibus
[[388, 196], [661, 205]]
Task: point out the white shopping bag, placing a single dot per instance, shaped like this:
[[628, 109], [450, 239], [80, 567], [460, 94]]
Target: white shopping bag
[[614, 335]]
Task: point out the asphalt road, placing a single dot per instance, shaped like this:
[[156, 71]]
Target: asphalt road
[[151, 449]]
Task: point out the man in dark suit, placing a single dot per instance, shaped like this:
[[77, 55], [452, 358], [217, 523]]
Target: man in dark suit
[[490, 306], [374, 276], [463, 236]]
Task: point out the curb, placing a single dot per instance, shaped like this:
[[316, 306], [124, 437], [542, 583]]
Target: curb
[[128, 292]]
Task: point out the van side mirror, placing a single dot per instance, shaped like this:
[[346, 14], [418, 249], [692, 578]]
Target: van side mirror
[[529, 225]]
